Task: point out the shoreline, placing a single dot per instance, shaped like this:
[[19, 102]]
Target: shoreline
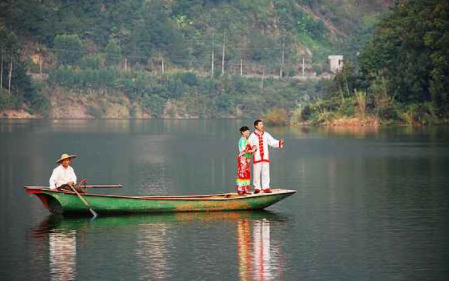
[[338, 123], [365, 121]]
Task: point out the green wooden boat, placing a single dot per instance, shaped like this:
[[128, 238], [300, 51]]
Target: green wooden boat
[[67, 202]]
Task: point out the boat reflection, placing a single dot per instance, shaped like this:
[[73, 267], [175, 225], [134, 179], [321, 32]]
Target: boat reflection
[[258, 255], [62, 255], [155, 242], [153, 250], [61, 243]]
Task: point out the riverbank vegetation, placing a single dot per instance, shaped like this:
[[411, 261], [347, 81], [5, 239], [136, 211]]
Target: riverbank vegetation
[[401, 74]]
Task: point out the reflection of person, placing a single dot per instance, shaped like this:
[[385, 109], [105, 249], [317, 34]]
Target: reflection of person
[[244, 249], [244, 163], [63, 255], [258, 257], [261, 162], [63, 174], [265, 260]]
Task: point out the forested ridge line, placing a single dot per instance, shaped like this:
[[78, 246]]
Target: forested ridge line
[[238, 57]]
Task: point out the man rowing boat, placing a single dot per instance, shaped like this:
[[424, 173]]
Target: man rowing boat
[[63, 175]]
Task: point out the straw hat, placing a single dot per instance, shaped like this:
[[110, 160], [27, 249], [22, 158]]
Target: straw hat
[[65, 156]]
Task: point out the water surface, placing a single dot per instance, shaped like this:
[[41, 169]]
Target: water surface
[[371, 204]]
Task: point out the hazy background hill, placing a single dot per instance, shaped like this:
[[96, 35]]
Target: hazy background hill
[[186, 30], [186, 58]]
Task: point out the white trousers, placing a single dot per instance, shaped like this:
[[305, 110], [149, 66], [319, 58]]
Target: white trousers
[[261, 173]]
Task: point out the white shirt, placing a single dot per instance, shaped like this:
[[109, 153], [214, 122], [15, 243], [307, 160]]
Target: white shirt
[[62, 176], [262, 140]]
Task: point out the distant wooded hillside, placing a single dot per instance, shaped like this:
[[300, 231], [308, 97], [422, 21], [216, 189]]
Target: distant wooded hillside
[[108, 44]]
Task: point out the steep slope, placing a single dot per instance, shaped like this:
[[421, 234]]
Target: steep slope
[[109, 47]]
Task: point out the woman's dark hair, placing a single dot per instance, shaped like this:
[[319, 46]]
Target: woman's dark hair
[[242, 129], [257, 122]]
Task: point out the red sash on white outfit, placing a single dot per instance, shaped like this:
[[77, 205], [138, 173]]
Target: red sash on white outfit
[[261, 149], [262, 140]]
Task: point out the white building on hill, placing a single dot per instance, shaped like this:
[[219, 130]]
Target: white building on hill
[[335, 63]]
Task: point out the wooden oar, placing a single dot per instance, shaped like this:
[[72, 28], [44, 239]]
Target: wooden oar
[[103, 186], [84, 201]]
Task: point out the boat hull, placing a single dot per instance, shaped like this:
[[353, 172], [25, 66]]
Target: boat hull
[[68, 203]]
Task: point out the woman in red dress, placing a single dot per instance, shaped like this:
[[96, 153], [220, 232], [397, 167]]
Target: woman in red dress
[[242, 184]]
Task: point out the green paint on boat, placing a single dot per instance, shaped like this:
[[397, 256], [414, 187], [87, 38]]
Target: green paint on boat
[[68, 203]]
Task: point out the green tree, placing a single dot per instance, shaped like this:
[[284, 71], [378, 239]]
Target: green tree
[[410, 46], [9, 58], [69, 49], [14, 77], [3, 54], [113, 52], [346, 81], [437, 39]]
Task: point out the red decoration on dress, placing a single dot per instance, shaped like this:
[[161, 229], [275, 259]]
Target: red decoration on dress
[[244, 168]]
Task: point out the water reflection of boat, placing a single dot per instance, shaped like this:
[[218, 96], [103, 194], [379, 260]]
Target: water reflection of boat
[[66, 202], [258, 257], [61, 247], [57, 223], [154, 245], [156, 240]]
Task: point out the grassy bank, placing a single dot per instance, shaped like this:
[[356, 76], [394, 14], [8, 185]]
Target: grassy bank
[[358, 110]]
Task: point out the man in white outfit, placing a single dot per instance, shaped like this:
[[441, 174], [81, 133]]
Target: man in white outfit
[[63, 174], [261, 158]]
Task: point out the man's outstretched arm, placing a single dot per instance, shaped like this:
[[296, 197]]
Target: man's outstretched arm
[[274, 142]]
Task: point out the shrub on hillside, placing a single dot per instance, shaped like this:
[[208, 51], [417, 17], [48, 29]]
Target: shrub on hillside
[[189, 78], [346, 107], [87, 78], [360, 98], [95, 111], [69, 48], [276, 117], [6, 100], [154, 104], [419, 114], [92, 62]]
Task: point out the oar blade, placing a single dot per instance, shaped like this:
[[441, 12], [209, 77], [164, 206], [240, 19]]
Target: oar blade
[[94, 214]]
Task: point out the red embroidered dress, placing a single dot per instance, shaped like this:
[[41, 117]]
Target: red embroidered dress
[[243, 166]]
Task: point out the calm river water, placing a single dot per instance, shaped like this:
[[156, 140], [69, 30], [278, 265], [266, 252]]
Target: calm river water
[[371, 204]]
